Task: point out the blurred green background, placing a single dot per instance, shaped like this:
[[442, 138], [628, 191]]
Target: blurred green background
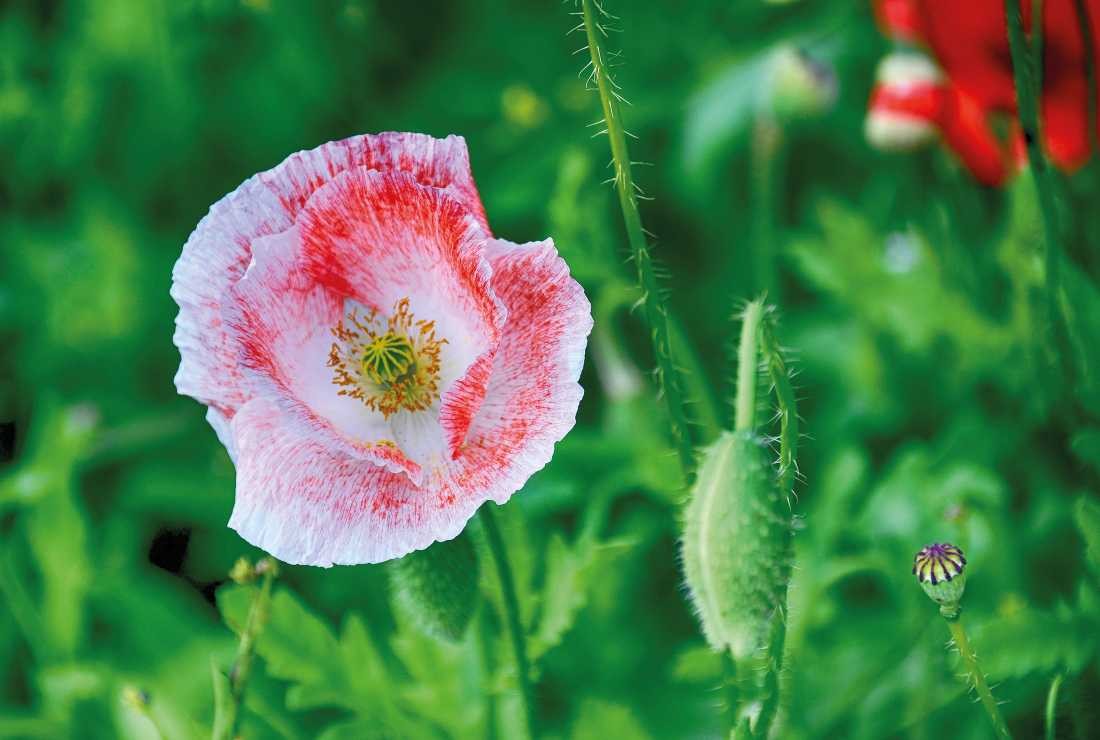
[[910, 299]]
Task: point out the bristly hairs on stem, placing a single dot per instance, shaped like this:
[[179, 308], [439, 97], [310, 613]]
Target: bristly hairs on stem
[[778, 373], [976, 680], [594, 23]]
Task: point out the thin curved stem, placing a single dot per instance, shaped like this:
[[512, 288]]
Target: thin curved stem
[[977, 678], [1027, 74], [1051, 713], [246, 649], [1084, 22], [511, 611], [653, 302]]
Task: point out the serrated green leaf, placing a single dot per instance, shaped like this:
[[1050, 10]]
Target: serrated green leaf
[[564, 591]]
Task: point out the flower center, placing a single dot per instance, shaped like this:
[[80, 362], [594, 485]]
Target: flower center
[[388, 367]]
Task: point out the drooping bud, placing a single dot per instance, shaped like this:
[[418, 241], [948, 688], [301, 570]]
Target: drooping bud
[[802, 85], [438, 587], [940, 570], [736, 547], [906, 102]]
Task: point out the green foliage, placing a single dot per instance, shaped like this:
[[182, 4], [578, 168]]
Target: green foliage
[[913, 309], [1087, 516]]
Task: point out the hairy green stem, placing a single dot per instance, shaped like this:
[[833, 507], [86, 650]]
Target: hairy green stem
[[1052, 706], [758, 340], [773, 669], [977, 678], [653, 302], [780, 378], [745, 403], [510, 606], [246, 650], [485, 645], [1026, 74], [1084, 22]]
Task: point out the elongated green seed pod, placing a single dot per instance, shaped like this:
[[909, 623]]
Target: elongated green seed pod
[[736, 544], [437, 587]]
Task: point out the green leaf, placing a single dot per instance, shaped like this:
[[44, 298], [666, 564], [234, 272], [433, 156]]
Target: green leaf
[[1086, 445], [564, 591], [601, 720], [359, 729], [221, 700], [1081, 307], [1087, 516]]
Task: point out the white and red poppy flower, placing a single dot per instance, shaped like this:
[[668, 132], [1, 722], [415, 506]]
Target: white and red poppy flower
[[375, 362]]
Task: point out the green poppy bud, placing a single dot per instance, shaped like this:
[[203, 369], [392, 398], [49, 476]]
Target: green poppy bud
[[438, 587], [736, 547]]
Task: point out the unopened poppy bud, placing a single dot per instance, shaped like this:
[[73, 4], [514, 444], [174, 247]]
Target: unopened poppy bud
[[242, 571], [438, 587], [802, 85], [939, 569], [267, 565], [906, 102], [135, 697], [736, 545]]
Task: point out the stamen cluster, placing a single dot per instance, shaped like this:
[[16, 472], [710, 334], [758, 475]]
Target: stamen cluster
[[389, 370]]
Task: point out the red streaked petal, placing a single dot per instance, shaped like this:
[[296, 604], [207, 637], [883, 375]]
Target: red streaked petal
[[533, 392], [308, 503], [279, 321], [379, 237], [219, 250]]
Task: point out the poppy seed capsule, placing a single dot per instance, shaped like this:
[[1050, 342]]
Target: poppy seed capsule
[[939, 569]]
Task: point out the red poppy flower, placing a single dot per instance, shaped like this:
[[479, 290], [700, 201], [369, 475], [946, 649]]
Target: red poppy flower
[[375, 362], [970, 44]]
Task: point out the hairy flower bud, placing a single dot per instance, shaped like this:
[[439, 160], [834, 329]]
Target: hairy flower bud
[[437, 587], [736, 544]]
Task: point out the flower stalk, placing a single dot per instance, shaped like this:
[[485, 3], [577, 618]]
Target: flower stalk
[[653, 301], [940, 570], [510, 605], [1027, 74], [976, 678], [745, 401], [228, 726]]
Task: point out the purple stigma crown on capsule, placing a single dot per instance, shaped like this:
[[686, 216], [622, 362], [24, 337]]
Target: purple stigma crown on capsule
[[938, 562]]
